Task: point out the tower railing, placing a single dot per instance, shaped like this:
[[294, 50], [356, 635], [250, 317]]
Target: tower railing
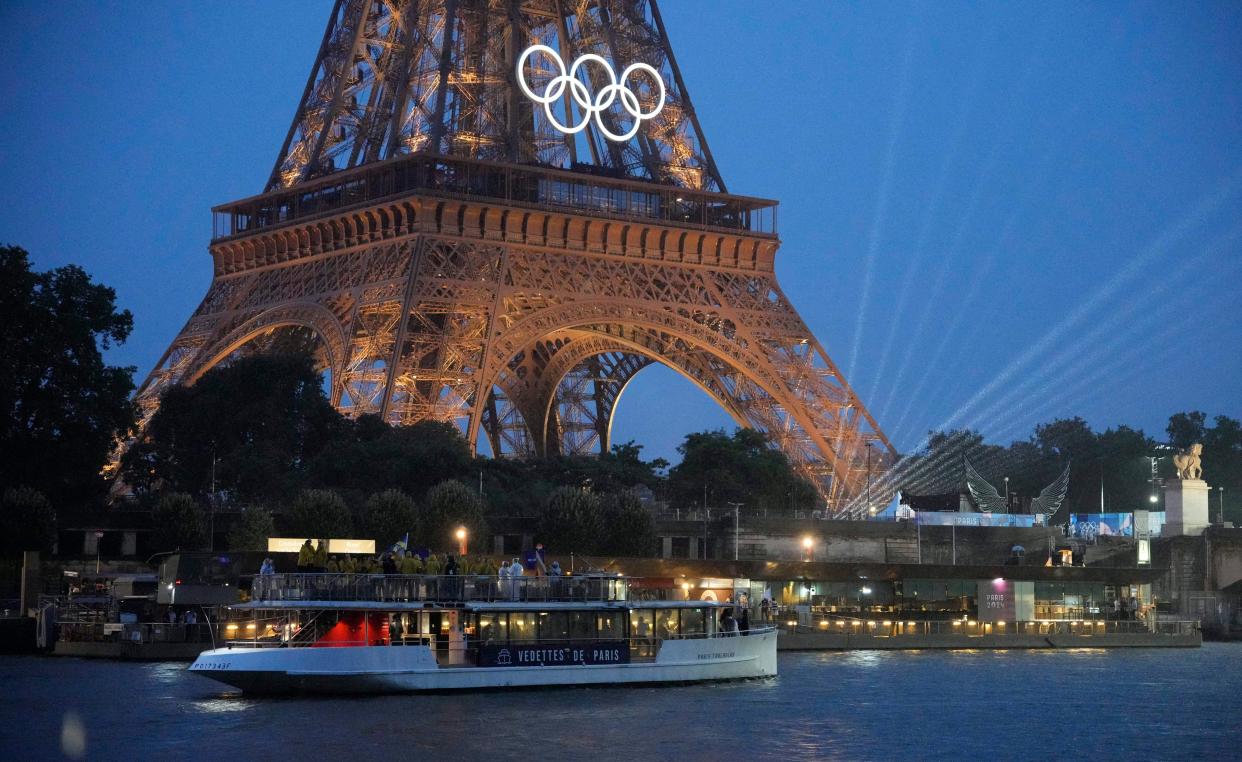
[[543, 188]]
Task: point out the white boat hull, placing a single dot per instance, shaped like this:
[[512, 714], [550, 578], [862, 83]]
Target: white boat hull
[[387, 669]]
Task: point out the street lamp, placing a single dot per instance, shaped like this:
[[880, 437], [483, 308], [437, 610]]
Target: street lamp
[[1222, 505], [461, 540], [808, 548]]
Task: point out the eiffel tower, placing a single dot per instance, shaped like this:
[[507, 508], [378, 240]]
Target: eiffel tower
[[459, 220]]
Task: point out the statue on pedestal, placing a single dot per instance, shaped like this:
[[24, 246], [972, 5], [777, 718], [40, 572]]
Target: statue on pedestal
[[1188, 463]]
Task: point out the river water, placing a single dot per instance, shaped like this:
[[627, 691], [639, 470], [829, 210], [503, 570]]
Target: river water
[[1104, 704]]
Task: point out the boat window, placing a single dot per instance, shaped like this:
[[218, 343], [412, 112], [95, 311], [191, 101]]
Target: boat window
[[608, 625], [493, 628], [667, 624], [553, 625], [581, 625], [642, 624], [522, 626], [693, 622]]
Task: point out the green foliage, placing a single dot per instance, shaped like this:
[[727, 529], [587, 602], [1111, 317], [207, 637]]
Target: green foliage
[[1185, 429], [1118, 457], [180, 523], [517, 487], [61, 407], [388, 515], [369, 455], [1222, 467], [450, 505], [27, 521], [252, 530], [628, 527], [741, 468], [570, 521], [262, 418], [319, 513]]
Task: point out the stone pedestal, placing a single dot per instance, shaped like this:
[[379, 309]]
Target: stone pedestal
[[1186, 507]]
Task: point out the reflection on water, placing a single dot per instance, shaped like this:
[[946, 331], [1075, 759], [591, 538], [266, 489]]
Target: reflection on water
[[232, 702], [1157, 704]]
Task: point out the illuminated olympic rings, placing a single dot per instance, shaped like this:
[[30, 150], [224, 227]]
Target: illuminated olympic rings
[[617, 89]]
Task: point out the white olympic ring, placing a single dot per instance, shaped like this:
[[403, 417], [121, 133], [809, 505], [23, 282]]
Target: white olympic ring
[[617, 89]]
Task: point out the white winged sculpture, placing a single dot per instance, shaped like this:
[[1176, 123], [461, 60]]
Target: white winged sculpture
[[989, 500]]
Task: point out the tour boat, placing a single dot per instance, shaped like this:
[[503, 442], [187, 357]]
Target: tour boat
[[371, 633]]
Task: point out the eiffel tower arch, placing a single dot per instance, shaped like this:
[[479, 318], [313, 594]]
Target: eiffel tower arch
[[459, 256]]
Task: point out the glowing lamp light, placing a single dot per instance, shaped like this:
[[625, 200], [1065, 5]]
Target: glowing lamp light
[[808, 543], [865, 590], [1152, 498]]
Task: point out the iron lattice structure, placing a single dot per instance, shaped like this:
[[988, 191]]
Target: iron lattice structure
[[461, 260]]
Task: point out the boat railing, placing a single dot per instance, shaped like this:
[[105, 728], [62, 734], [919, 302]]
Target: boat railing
[[414, 588], [133, 632]]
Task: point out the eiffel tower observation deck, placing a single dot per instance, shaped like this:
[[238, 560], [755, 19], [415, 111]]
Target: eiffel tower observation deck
[[496, 213]]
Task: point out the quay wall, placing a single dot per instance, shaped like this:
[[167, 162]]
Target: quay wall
[[130, 651], [826, 641]]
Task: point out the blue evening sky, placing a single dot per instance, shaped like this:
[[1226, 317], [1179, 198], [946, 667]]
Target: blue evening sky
[[992, 214]]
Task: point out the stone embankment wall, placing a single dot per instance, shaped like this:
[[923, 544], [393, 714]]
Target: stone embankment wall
[[824, 641]]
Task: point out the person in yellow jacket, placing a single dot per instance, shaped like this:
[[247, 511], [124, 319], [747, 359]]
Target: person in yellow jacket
[[348, 566], [334, 566], [306, 556], [410, 564], [321, 556]]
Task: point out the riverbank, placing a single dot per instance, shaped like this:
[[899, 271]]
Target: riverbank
[[822, 641]]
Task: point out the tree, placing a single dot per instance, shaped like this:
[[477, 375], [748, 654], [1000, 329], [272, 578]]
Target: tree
[[252, 530], [180, 522], [449, 505], [27, 521], [628, 527], [388, 515], [62, 408], [570, 521], [741, 468], [1185, 429], [370, 455], [319, 514], [254, 425], [1222, 467]]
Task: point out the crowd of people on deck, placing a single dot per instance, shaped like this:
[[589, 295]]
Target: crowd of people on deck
[[399, 560]]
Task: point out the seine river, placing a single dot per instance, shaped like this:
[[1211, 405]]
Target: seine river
[[1150, 704]]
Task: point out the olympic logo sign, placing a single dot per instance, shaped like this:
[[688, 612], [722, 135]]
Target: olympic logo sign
[[617, 90]]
